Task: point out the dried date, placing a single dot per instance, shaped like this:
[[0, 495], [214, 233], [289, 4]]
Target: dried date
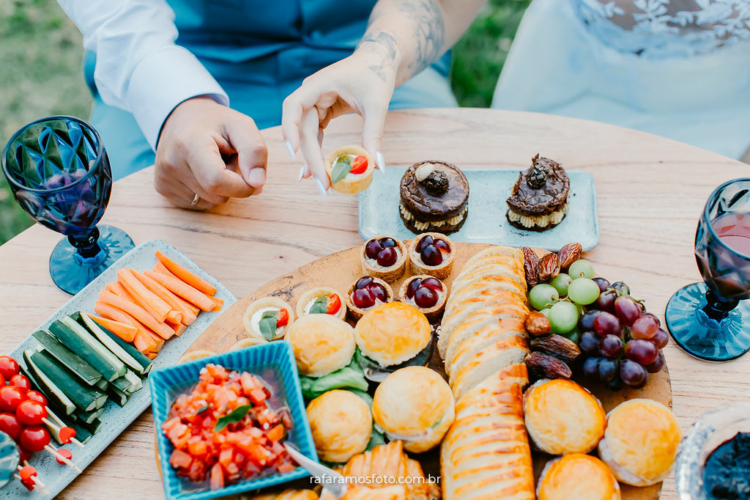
[[537, 324], [530, 266], [549, 267], [542, 365], [569, 254], [557, 346]]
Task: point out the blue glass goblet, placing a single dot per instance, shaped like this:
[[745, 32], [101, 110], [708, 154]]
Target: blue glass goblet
[[59, 173], [711, 321]]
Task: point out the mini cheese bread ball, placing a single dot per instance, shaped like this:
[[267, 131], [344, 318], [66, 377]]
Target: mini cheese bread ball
[[415, 405], [392, 333], [562, 417], [577, 476], [640, 442], [322, 344], [341, 424]]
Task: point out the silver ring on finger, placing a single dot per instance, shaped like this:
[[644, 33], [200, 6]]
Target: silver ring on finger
[[195, 201]]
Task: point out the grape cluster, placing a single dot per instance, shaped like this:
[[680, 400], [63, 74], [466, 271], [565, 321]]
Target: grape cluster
[[619, 340]]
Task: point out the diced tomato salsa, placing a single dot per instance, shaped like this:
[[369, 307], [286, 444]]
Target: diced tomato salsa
[[243, 449]]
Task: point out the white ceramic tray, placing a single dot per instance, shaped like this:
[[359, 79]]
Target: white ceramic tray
[[115, 419]]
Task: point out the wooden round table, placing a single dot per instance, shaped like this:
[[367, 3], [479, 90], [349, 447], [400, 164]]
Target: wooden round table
[[650, 193]]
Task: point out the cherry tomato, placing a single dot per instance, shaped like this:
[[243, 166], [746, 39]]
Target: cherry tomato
[[31, 412], [8, 367], [359, 165], [2, 380], [10, 397], [34, 439], [66, 434], [28, 484], [334, 304], [27, 472], [10, 425], [283, 318], [21, 381], [65, 453], [37, 396]]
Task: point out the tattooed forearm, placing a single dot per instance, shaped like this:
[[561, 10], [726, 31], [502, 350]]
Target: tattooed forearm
[[385, 44], [429, 31]]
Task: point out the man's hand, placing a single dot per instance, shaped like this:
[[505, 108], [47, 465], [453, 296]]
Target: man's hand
[[209, 150]]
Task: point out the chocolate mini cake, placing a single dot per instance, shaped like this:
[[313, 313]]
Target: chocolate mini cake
[[434, 198], [539, 200]]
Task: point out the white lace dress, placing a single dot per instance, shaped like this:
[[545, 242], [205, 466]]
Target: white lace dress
[[676, 68]]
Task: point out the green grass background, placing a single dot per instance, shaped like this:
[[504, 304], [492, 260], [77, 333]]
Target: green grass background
[[40, 71]]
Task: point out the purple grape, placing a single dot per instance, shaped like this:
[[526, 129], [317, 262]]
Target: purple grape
[[586, 323], [633, 374], [431, 255], [607, 324], [653, 316], [363, 282], [589, 342], [621, 287], [425, 297], [616, 384], [627, 310], [591, 368], [433, 283], [657, 365], [443, 246], [427, 240], [661, 339], [603, 284], [606, 301], [411, 289], [387, 257], [608, 369], [611, 347], [372, 249], [378, 292], [641, 351], [387, 242]]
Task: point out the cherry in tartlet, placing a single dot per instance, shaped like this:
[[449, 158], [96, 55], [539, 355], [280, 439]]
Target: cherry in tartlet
[[368, 293], [425, 293], [384, 251], [433, 254], [432, 251]]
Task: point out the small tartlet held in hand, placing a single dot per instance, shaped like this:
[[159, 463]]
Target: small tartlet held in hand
[[335, 303], [375, 292], [431, 301], [350, 169], [259, 314], [437, 250], [386, 250]]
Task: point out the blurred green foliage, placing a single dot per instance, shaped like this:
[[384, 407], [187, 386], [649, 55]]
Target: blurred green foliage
[[40, 58]]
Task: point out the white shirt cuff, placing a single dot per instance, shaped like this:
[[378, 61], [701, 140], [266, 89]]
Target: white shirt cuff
[[162, 81]]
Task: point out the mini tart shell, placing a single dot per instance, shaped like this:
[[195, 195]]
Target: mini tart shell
[[418, 267], [390, 274], [433, 312], [350, 186], [355, 311], [313, 294], [260, 304]]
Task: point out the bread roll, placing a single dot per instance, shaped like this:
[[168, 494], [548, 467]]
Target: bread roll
[[392, 333], [341, 425], [321, 343], [577, 476]]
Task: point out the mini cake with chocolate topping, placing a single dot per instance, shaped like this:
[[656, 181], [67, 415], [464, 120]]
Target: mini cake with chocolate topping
[[434, 198], [539, 200]]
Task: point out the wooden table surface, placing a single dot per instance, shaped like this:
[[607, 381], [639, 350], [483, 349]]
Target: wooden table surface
[[650, 193]]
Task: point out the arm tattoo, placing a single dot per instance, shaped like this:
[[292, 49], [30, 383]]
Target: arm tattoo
[[429, 31], [387, 44]]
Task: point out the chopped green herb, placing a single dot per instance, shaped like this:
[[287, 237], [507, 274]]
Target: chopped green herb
[[320, 306], [341, 168], [201, 410], [267, 324], [232, 418]]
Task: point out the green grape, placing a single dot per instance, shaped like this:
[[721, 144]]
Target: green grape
[[545, 312], [583, 291], [574, 335], [563, 317], [561, 284], [581, 269], [543, 296]]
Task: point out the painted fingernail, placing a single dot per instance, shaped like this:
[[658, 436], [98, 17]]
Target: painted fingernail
[[257, 177], [379, 161], [320, 187], [290, 149], [302, 172]]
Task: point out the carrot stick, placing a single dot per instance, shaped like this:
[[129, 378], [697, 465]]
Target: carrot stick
[[142, 294], [121, 290], [151, 355], [137, 312], [142, 341], [183, 290], [157, 339], [218, 303], [113, 287], [174, 317], [177, 304], [161, 268], [185, 275], [177, 327], [122, 330], [190, 307]]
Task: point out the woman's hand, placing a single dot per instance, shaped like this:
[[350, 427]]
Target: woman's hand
[[209, 150], [362, 83]]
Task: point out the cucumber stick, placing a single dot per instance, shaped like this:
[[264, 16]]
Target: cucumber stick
[[83, 435], [75, 364], [83, 397], [102, 385], [117, 396], [85, 320], [45, 384], [92, 427], [88, 416], [128, 384], [78, 340], [145, 363]]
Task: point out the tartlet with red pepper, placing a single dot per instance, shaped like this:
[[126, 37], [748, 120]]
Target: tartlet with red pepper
[[350, 169], [384, 257], [268, 318], [322, 300]]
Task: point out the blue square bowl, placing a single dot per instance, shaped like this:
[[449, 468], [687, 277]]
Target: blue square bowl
[[275, 363]]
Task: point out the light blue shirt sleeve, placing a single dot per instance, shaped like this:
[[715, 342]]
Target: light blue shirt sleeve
[[139, 68]]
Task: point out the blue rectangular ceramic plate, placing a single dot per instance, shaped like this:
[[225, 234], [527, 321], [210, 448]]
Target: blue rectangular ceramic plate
[[275, 363], [486, 222], [115, 419]]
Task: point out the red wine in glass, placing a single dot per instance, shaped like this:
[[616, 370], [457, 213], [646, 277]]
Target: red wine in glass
[[734, 230]]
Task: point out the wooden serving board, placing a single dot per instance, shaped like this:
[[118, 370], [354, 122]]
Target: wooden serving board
[[340, 270]]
